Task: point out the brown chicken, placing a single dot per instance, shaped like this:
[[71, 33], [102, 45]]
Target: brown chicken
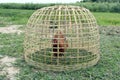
[[59, 44]]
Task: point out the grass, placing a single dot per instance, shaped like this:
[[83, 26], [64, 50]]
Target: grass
[[14, 16], [11, 44], [39, 56], [107, 19], [17, 16], [108, 68]]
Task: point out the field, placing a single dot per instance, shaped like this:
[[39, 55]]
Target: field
[[107, 19], [14, 16], [17, 16], [11, 48]]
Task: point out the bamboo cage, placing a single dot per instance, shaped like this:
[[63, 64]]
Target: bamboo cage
[[80, 32]]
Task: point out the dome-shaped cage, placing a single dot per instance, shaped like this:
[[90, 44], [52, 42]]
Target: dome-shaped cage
[[62, 38]]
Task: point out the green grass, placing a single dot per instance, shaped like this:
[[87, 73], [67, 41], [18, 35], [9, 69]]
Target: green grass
[[108, 68], [11, 44], [107, 19], [14, 16], [39, 56], [17, 16]]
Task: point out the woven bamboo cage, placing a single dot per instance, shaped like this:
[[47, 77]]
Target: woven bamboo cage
[[80, 38]]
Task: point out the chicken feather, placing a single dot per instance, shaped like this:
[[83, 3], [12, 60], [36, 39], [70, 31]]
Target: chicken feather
[[59, 44]]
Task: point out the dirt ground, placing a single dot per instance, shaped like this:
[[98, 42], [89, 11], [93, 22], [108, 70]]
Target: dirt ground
[[11, 29], [7, 68], [6, 62]]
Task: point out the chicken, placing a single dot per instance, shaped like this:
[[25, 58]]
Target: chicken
[[59, 44]]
